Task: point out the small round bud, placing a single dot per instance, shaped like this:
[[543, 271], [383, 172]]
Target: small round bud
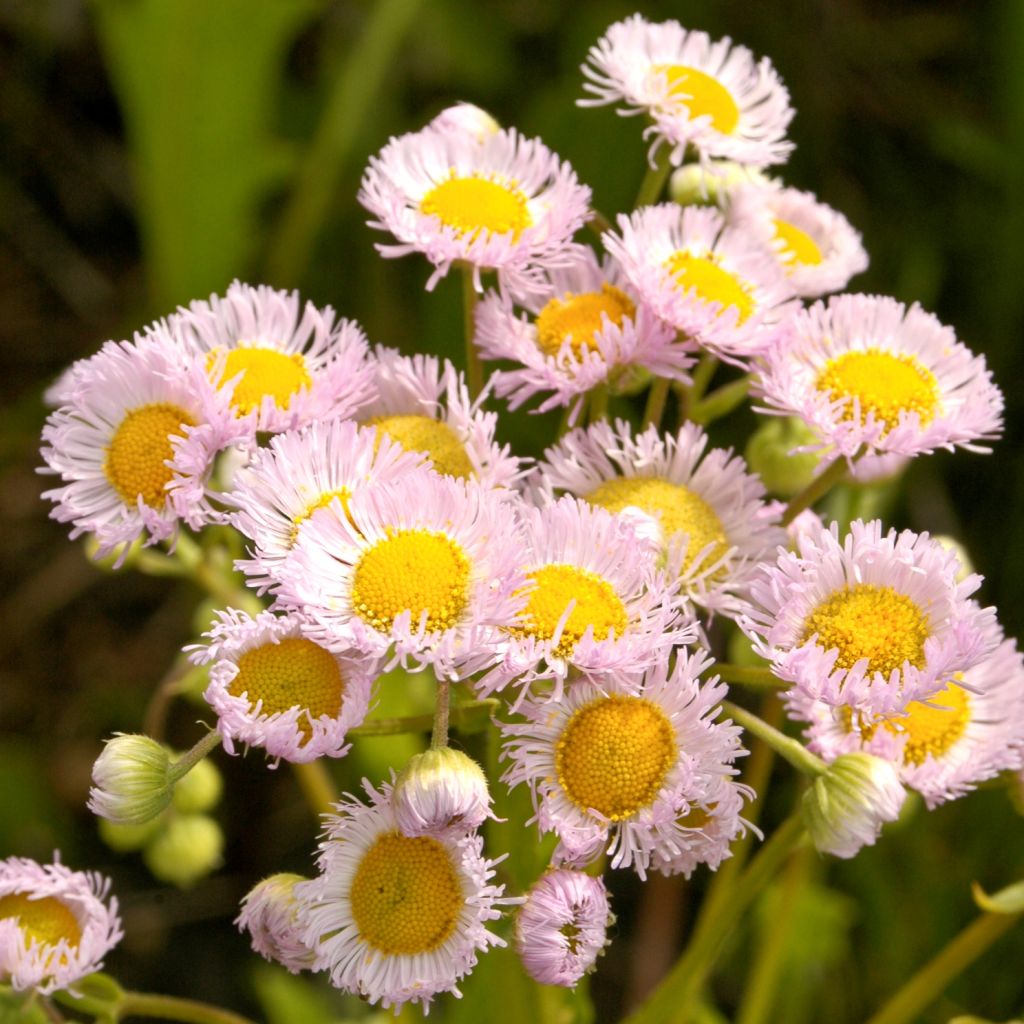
[[770, 454], [268, 915], [466, 119], [562, 927], [199, 789], [128, 838], [439, 790], [131, 784], [849, 802], [696, 183], [188, 849]]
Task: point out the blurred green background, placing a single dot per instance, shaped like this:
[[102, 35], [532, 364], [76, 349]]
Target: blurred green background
[[156, 149]]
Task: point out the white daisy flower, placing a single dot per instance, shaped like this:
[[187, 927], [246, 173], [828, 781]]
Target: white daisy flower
[[56, 925], [709, 96], [867, 373], [715, 284], [498, 203], [269, 912], [396, 918]]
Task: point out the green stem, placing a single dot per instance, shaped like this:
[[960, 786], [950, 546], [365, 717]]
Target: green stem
[[656, 402], [598, 223], [439, 737], [749, 675], [654, 180], [794, 752], [677, 995], [938, 973], [191, 758], [597, 405], [702, 377], [221, 583], [815, 490], [144, 1004], [474, 368], [317, 786], [464, 716], [721, 401]]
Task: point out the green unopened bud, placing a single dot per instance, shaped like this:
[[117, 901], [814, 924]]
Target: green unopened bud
[[128, 838], [188, 849], [438, 790], [199, 790], [846, 806], [770, 454], [711, 183], [131, 781]]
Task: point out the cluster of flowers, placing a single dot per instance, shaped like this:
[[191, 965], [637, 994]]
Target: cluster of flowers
[[387, 525]]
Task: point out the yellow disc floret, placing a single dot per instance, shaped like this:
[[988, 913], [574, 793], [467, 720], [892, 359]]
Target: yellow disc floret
[[136, 458], [433, 438], [342, 494], [873, 622], [578, 317], [884, 383], [476, 206], [406, 897], [798, 248], [416, 571], [614, 754], [710, 282], [265, 371], [45, 920], [596, 604], [292, 673], [701, 95], [678, 509]]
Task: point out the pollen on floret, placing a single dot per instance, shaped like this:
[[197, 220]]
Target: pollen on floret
[[596, 605], [614, 754], [868, 621], [294, 672], [701, 95], [406, 897], [137, 456], [433, 438], [417, 571], [711, 282], [47, 920], [578, 317], [475, 205], [678, 509], [265, 372], [798, 248], [884, 383]]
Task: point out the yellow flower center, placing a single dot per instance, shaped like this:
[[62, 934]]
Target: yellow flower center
[[406, 897], [868, 621], [136, 458], [614, 754], [45, 920], [677, 507], [577, 318], [700, 94], [884, 383], [342, 494], [415, 571], [596, 604], [710, 282], [265, 371], [477, 206], [292, 673], [798, 248], [432, 437]]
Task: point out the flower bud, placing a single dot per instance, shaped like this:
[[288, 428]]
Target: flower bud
[[697, 183], [561, 928], [268, 915], [952, 544], [199, 789], [770, 455], [847, 804], [128, 838], [438, 790], [466, 119], [188, 849], [131, 783]]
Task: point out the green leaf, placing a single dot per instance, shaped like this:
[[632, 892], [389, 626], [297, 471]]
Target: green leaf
[[1007, 901]]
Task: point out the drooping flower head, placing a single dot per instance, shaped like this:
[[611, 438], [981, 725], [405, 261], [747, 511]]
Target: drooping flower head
[[581, 328], [867, 373], [499, 203], [275, 687], [620, 765], [716, 285], [56, 925], [441, 790], [396, 918], [873, 621], [269, 912], [711, 96]]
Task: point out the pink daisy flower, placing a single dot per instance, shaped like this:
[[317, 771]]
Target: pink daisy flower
[[620, 764], [721, 289], [711, 96], [867, 373], [396, 918], [497, 203], [873, 621], [581, 328], [56, 925], [275, 687], [269, 913]]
